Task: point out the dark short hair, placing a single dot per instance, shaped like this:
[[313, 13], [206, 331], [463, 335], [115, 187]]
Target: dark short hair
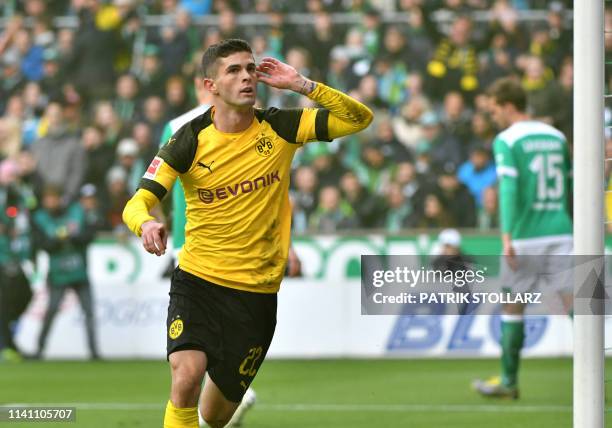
[[509, 90], [52, 190], [222, 50]]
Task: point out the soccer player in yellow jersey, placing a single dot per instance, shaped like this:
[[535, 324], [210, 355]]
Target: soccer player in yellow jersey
[[233, 162]]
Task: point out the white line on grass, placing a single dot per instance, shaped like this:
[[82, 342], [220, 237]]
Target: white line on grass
[[308, 407]]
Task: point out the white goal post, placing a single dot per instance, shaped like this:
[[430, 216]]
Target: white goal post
[[589, 203]]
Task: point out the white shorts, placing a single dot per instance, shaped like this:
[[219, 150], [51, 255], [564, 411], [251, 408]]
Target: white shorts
[[542, 262]]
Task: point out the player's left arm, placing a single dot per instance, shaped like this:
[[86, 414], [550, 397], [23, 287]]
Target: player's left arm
[[341, 115], [507, 174], [158, 180], [173, 159]]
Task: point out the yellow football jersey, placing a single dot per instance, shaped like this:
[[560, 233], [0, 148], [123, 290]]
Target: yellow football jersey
[[236, 189]]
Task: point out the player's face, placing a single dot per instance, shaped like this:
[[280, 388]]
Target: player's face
[[499, 114], [235, 81]]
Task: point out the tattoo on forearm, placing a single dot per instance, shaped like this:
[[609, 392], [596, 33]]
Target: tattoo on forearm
[[307, 87]]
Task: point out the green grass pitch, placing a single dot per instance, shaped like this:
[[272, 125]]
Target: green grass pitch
[[306, 394]]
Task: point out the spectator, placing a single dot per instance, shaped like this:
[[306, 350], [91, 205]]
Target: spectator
[[127, 158], [422, 162], [391, 148], [478, 173], [434, 214], [371, 28], [454, 64], [420, 32], [488, 214], [452, 259], [59, 156], [30, 181], [332, 213], [259, 44], [151, 77], [482, 131], [227, 25], [147, 149], [506, 21], [98, 157], [375, 170], [196, 7], [542, 46], [106, 119], [456, 198], [154, 115], [369, 93], [10, 129], [399, 51], [31, 56], [35, 8], [456, 119], [52, 80], [497, 61], [326, 165], [407, 125], [413, 186], [91, 208], [391, 81], [560, 35], [173, 50], [280, 37], [543, 92], [304, 197], [176, 97], [118, 194], [443, 147], [399, 212], [368, 207], [15, 248], [64, 234], [339, 73], [126, 97], [93, 54], [321, 39], [12, 80]]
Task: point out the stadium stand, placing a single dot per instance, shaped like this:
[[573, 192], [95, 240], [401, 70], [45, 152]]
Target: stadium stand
[[101, 78]]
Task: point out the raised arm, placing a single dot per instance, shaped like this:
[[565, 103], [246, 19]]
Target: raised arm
[[346, 115]]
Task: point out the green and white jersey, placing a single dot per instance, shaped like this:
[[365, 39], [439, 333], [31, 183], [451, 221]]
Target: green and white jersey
[[178, 196], [533, 168]]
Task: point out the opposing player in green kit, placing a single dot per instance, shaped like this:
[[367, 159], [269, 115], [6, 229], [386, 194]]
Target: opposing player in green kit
[[533, 168]]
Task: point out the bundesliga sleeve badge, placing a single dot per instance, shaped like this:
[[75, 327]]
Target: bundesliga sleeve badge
[[153, 168]]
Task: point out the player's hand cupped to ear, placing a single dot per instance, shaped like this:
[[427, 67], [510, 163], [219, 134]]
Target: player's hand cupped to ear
[[154, 237], [279, 75]]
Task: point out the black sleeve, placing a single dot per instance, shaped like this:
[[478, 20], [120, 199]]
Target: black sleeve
[[285, 122], [180, 150], [322, 125]]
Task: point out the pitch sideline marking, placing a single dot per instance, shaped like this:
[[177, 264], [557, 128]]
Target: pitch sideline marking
[[308, 407]]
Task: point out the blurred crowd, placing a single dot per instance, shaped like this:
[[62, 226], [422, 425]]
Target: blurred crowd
[[82, 108]]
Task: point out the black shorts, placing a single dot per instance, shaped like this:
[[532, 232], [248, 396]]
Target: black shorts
[[233, 327]]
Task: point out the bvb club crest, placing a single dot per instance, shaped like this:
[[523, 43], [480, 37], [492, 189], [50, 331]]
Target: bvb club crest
[[264, 147], [176, 328]]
